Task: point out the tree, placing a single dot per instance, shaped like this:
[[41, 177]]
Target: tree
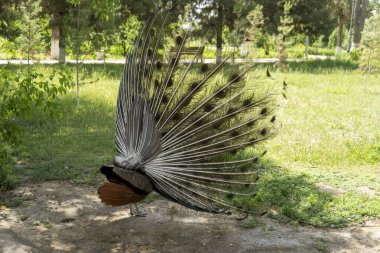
[[77, 29], [314, 18], [370, 59], [30, 30], [85, 27], [56, 9], [220, 13], [342, 12], [95, 19], [285, 28], [360, 14], [127, 31], [255, 20], [9, 15]]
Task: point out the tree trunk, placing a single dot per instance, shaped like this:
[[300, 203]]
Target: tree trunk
[[307, 47], [219, 31], [361, 12], [77, 47], [55, 37], [339, 39]]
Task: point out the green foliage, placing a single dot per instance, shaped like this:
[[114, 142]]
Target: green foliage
[[307, 16], [296, 51], [322, 51], [77, 27], [127, 31], [370, 45], [266, 44], [323, 66], [318, 43], [355, 54], [21, 93], [256, 21], [226, 14], [285, 28], [8, 49], [256, 36], [7, 179], [333, 38], [31, 27], [9, 15], [110, 25]]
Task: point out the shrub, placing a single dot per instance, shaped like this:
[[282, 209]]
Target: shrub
[[355, 55], [370, 59], [20, 93]]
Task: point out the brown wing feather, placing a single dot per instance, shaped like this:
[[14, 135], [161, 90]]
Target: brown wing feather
[[118, 195]]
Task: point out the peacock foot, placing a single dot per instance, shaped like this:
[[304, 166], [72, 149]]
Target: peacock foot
[[137, 212]]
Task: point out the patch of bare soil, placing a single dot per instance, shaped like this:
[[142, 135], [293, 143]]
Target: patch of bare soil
[[62, 217]]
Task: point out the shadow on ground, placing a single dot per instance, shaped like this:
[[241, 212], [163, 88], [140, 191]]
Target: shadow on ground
[[61, 217]]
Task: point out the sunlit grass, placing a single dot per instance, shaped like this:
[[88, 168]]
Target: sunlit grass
[[331, 124]]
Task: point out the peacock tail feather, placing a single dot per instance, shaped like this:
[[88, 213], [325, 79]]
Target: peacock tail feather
[[185, 125]]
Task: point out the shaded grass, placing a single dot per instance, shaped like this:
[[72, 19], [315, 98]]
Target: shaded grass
[[330, 134], [293, 197], [322, 66]]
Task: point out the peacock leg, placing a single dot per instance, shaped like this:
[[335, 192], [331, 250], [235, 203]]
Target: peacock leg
[[130, 209], [138, 213]]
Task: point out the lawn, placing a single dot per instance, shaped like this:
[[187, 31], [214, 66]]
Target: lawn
[[329, 139]]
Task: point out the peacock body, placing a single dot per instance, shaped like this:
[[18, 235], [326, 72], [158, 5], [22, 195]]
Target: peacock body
[[180, 125]]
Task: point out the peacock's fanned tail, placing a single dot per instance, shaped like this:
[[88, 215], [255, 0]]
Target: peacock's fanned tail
[[187, 124]]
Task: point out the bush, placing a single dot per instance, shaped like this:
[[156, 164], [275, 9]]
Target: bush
[[355, 55], [333, 39], [8, 49], [370, 45], [20, 93], [23, 91], [322, 51], [297, 51], [265, 41]]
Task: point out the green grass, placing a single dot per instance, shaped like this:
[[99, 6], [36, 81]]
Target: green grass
[[331, 126], [74, 146], [330, 134]]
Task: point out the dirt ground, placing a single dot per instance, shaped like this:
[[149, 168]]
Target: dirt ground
[[62, 217]]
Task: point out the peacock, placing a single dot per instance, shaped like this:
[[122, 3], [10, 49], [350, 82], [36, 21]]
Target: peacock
[[187, 130]]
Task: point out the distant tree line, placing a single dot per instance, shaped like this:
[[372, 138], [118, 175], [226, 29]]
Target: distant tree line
[[60, 26]]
